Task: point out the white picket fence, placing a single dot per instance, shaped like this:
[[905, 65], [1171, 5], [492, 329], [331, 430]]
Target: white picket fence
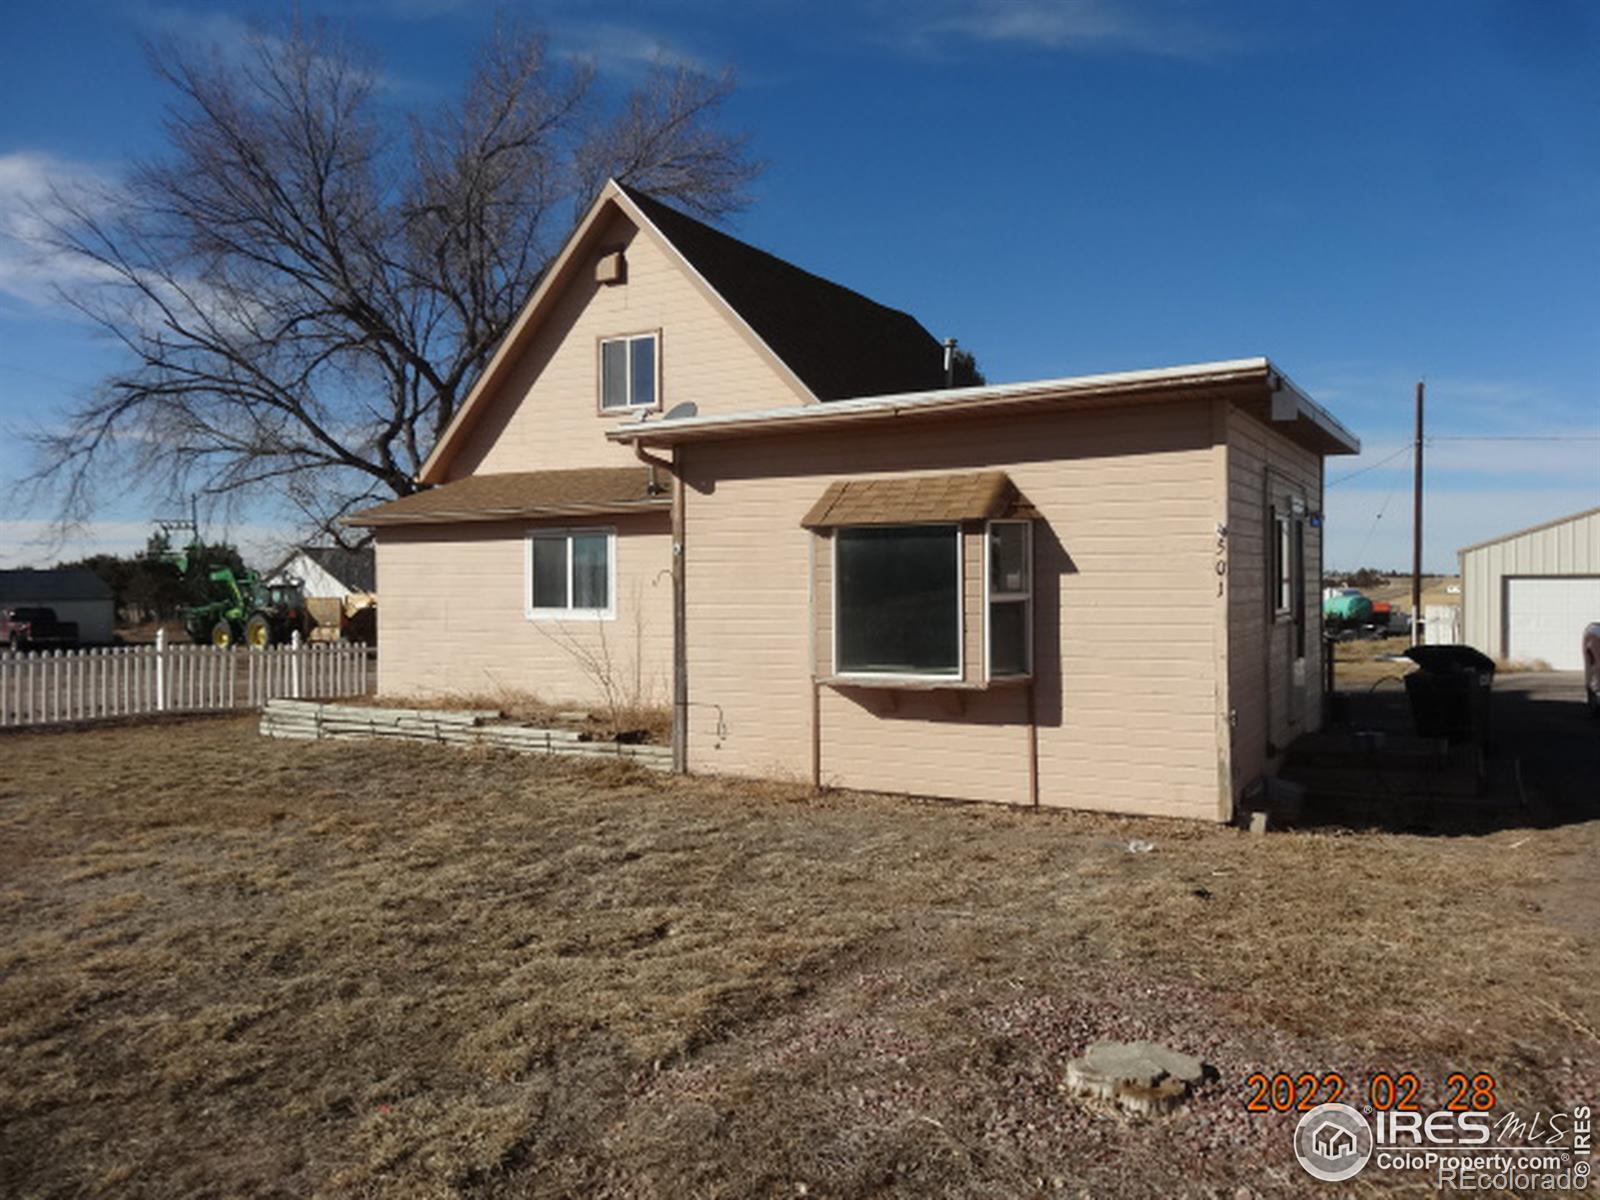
[[46, 687]]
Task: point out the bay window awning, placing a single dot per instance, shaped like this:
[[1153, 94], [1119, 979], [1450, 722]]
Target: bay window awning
[[972, 496]]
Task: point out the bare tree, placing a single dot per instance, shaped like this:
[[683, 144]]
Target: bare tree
[[305, 292]]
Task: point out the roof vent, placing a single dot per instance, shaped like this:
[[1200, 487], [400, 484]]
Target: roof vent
[[949, 362], [612, 268]]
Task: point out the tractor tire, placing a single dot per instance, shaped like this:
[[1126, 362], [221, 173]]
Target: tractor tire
[[222, 634], [258, 632]]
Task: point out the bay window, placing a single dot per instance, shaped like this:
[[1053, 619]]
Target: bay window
[[926, 584]]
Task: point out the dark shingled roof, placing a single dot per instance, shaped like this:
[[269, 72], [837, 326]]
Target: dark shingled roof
[[841, 344], [45, 587], [501, 496]]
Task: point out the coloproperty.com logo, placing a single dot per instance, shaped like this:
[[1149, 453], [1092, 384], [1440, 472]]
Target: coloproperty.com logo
[[1474, 1151], [1333, 1142]]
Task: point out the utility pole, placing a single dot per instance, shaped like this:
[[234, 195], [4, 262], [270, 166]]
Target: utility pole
[[1416, 531]]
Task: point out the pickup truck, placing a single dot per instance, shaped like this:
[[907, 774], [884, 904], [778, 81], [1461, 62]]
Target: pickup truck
[[31, 628], [1591, 667]]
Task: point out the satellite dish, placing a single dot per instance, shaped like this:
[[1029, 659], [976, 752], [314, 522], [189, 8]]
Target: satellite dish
[[682, 411]]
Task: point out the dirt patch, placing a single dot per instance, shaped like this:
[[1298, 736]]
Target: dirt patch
[[234, 966]]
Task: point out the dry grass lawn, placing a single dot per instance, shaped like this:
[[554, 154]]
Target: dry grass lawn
[[231, 966]]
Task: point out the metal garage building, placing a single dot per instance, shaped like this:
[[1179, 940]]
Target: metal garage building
[[76, 594], [1528, 595]]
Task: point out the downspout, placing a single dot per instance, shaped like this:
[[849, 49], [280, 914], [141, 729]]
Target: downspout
[[680, 624], [1033, 666], [680, 673]]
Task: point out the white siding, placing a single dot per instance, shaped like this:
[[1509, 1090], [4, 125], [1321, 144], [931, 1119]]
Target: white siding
[[1568, 547]]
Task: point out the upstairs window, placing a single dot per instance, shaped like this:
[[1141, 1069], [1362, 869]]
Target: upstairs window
[[628, 372], [1010, 598], [897, 600], [570, 573]]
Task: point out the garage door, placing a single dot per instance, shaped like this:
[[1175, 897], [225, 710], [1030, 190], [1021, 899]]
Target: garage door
[[1545, 619]]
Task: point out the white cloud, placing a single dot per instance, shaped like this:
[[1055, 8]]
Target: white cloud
[[31, 269], [624, 50], [42, 543], [1157, 27]]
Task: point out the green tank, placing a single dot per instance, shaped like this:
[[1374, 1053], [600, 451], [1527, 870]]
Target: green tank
[[1348, 607]]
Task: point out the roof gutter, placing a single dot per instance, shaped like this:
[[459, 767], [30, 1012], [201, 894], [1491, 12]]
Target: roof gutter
[[943, 402], [1286, 403]]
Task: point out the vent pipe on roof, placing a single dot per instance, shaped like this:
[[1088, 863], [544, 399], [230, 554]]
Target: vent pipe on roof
[[949, 362]]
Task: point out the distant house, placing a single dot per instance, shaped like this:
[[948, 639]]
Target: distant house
[[700, 473], [74, 593], [340, 588], [1528, 595], [329, 572]]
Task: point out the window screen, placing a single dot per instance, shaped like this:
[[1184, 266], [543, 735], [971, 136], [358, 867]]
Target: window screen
[[614, 374], [589, 556], [642, 352], [898, 598], [1010, 597], [550, 572]]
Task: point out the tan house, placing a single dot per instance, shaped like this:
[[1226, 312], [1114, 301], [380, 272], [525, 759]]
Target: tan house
[[746, 491]]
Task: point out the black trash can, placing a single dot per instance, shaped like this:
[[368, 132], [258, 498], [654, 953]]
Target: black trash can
[[1449, 693]]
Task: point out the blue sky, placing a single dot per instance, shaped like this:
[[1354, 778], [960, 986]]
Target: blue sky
[[1369, 193]]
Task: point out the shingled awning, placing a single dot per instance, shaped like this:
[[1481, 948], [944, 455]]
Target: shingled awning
[[977, 496], [512, 494]]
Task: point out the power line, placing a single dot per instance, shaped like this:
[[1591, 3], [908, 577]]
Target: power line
[[1465, 437], [1515, 437], [1406, 449]]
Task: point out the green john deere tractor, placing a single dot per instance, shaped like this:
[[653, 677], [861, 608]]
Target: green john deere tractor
[[244, 610]]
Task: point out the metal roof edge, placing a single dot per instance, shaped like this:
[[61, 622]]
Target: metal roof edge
[[955, 399], [1540, 527], [1315, 413]]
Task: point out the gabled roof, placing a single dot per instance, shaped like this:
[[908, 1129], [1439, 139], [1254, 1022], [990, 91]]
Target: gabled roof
[[512, 494], [355, 569], [44, 587], [826, 341], [839, 342]]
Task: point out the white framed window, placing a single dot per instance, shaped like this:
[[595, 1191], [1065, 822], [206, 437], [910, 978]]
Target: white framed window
[[571, 574], [1282, 574], [897, 601], [630, 372], [1008, 615]]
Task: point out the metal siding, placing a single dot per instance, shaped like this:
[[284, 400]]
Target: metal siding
[[1570, 547]]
